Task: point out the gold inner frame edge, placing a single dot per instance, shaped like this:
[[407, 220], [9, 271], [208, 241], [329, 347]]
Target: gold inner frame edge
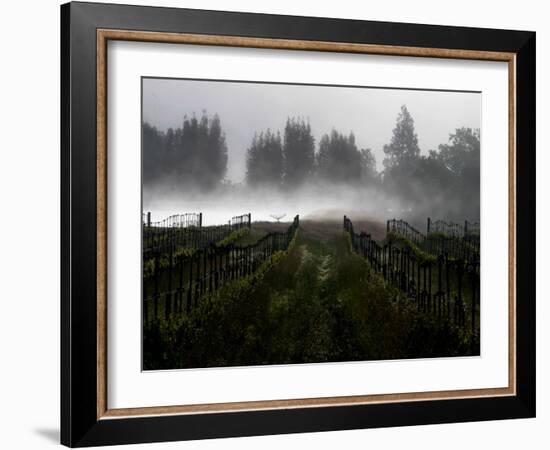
[[104, 35]]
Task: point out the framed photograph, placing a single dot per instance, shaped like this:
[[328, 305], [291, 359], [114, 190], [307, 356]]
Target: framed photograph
[[277, 224]]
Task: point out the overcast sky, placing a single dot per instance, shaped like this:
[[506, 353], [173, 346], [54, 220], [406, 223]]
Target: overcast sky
[[245, 108]]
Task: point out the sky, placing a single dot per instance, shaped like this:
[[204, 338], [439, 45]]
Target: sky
[[247, 107]]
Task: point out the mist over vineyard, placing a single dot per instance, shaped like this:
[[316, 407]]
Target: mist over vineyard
[[287, 172], [289, 224]]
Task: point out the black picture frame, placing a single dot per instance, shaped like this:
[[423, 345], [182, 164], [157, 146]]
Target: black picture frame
[[80, 425]]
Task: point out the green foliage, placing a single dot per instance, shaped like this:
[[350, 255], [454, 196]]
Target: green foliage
[[254, 235], [234, 236], [434, 240], [315, 302], [200, 339], [164, 260], [402, 242]]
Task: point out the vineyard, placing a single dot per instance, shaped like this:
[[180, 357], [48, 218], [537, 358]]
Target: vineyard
[[246, 292], [183, 263], [437, 271], [441, 238]]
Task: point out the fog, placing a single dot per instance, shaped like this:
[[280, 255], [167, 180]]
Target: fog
[[315, 201], [312, 201], [370, 113]]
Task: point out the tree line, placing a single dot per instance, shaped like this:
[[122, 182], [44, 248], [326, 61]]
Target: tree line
[[291, 160], [444, 180], [448, 177], [196, 154]]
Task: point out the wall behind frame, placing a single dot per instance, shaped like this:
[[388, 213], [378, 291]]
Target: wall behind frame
[[29, 187]]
